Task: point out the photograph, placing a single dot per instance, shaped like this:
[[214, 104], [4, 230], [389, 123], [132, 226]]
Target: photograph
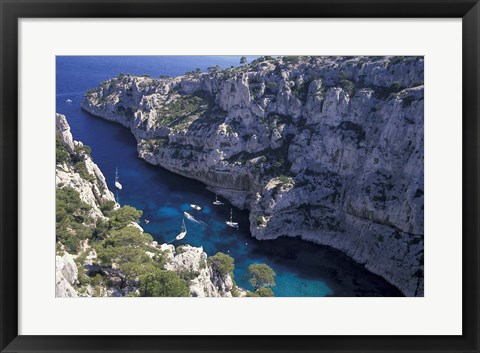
[[239, 176], [222, 182]]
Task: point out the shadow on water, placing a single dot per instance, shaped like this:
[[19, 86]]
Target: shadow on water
[[303, 268]]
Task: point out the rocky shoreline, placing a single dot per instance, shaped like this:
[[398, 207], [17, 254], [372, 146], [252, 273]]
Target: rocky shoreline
[[326, 148]]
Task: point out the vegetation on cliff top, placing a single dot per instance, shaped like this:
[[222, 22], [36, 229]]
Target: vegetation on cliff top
[[181, 111]]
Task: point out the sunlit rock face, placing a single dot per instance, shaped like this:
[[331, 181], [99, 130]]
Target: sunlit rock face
[[326, 148], [207, 281], [92, 190], [66, 273]]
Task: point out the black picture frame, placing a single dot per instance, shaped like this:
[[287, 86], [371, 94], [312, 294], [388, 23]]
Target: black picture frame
[[11, 11]]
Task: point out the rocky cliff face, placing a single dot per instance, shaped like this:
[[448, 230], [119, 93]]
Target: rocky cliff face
[[207, 282], [326, 148], [78, 172], [66, 276], [89, 180]]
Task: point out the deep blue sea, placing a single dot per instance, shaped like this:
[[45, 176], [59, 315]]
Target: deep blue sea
[[303, 269]]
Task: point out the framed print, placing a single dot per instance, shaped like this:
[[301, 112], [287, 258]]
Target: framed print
[[239, 177]]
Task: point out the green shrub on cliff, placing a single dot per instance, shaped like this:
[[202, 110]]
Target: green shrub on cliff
[[348, 86], [260, 220], [134, 270], [154, 145], [387, 92], [300, 89], [161, 283], [284, 179], [61, 152], [124, 216], [271, 88], [128, 236], [110, 254], [83, 148], [291, 59], [128, 249], [264, 292], [125, 245], [90, 92], [222, 263], [107, 207], [81, 169], [188, 275], [71, 213]]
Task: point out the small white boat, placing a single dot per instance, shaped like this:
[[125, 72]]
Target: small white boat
[[117, 183], [196, 207], [216, 202], [189, 216], [68, 101], [147, 221], [230, 223], [183, 233]]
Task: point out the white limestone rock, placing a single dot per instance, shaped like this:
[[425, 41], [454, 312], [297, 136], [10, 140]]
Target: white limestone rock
[[207, 283], [63, 130], [65, 276], [93, 192]]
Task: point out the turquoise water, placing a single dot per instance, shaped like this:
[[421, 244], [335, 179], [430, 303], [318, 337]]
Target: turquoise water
[[303, 269]]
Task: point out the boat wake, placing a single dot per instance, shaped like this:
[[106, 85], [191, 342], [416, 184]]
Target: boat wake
[[193, 219]]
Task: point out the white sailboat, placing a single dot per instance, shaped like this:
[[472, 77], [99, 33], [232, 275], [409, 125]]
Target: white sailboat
[[68, 101], [216, 202], [183, 233], [117, 183], [230, 223], [195, 207]]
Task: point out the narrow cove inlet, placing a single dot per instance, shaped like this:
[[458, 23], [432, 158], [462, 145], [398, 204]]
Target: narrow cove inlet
[[169, 201]]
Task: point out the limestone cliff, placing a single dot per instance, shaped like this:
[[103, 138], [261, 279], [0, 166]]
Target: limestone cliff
[[206, 281], [326, 148], [80, 270], [66, 276], [82, 174]]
